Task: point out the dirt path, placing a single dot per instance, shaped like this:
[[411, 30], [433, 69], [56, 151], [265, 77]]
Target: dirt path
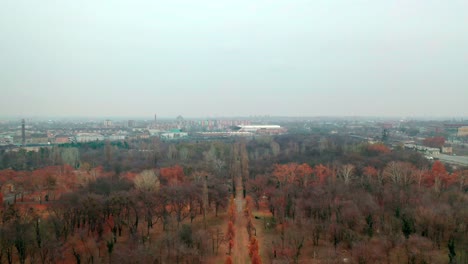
[[240, 253]]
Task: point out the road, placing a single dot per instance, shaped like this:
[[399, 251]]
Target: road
[[240, 251], [458, 160]]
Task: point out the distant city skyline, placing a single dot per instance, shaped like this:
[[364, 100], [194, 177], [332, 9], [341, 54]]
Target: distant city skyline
[[124, 119], [132, 59]]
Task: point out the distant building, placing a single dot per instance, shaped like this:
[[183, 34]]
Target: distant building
[[447, 149], [154, 132], [38, 139], [462, 131], [116, 137], [6, 140], [131, 123], [261, 129], [143, 136], [107, 123], [433, 151], [423, 149], [224, 134], [88, 137], [62, 139], [173, 134]]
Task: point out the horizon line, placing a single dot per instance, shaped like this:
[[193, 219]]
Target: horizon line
[[149, 117]]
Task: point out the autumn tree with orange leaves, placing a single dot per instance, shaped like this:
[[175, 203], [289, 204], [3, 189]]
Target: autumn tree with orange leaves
[[328, 202], [370, 173], [292, 173], [322, 173], [232, 210], [439, 178], [377, 148], [254, 251], [253, 246], [230, 234], [173, 175]]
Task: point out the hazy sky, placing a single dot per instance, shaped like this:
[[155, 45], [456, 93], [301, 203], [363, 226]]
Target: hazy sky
[[230, 58]]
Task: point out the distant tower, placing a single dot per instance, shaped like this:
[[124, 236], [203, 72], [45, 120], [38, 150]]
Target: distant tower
[[23, 132], [107, 123], [385, 135], [154, 125]]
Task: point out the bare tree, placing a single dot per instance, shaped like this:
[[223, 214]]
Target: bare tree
[[346, 172], [147, 181], [400, 173]]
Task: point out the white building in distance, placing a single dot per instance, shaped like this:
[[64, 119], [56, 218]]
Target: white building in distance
[[261, 129], [88, 137]]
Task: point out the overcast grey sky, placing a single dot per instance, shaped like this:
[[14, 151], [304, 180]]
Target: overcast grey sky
[[231, 58]]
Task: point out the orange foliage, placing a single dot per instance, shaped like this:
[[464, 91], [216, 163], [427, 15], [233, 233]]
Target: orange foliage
[[49, 170], [377, 148], [322, 172], [65, 175], [228, 260], [250, 226], [256, 259], [438, 169], [99, 170], [283, 226], [230, 231], [7, 174], [303, 170], [253, 246], [232, 211], [370, 171], [451, 179], [438, 173], [129, 176], [248, 202], [428, 179], [110, 222], [37, 207], [173, 175], [292, 172], [231, 245]]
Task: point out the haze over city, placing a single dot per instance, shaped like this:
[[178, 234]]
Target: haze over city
[[220, 58], [234, 132]]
